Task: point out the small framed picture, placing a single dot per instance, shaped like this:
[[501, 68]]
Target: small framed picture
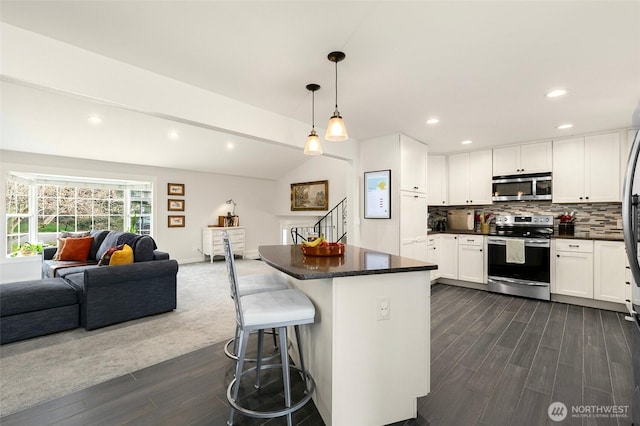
[[175, 221], [175, 189], [377, 194], [310, 195], [175, 205]]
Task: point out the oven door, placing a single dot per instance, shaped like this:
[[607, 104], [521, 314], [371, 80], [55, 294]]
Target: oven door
[[537, 257]]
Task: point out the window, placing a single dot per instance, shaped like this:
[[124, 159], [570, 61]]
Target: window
[[18, 201], [39, 207]]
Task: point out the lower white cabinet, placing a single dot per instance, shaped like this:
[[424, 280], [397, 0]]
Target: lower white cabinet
[[609, 271], [448, 265], [433, 254], [413, 225], [212, 241], [471, 258], [573, 263]]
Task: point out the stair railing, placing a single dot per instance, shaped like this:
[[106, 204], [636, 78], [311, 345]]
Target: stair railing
[[333, 226]]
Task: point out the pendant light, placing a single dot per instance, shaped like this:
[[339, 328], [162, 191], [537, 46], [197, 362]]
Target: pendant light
[[313, 147], [336, 131]]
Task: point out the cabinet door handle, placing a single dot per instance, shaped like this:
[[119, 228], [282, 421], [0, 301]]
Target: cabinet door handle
[[581, 198], [587, 197], [442, 201], [574, 245], [557, 255], [480, 249], [415, 196], [471, 201]]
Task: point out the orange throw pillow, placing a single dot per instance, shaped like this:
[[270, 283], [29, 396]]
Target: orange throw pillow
[[76, 249]]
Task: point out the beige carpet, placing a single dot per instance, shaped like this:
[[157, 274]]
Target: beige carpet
[[48, 367]]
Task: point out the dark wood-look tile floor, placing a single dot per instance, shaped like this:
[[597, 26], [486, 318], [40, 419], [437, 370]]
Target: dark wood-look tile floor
[[495, 360]]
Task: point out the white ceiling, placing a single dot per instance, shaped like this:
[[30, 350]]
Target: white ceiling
[[482, 67]]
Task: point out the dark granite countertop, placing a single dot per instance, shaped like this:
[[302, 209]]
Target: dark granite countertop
[[355, 261], [589, 236], [576, 236]]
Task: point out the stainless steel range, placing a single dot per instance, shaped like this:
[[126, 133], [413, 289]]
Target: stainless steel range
[[520, 256]]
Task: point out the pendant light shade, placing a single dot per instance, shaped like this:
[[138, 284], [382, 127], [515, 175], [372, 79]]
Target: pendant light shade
[[313, 147], [336, 130]]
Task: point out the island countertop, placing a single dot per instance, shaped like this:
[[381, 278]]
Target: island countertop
[[355, 261]]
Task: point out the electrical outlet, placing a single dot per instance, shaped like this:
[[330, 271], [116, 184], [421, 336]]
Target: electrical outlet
[[383, 308]]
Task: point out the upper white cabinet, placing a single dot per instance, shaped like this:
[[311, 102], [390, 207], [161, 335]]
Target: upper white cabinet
[[522, 159], [413, 165], [437, 180], [413, 225], [470, 175], [587, 170]]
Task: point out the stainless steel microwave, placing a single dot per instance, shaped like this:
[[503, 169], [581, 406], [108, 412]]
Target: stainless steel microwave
[[529, 187]]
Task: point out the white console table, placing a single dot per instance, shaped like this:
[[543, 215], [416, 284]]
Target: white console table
[[212, 240]]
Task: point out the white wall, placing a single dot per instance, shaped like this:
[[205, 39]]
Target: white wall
[[336, 171], [381, 154], [205, 196]]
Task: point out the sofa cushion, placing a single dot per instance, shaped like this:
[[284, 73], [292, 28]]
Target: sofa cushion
[[122, 256], [29, 296], [63, 237], [76, 249], [110, 240], [98, 238]]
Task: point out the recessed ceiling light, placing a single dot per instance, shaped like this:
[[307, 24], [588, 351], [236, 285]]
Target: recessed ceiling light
[[94, 119], [556, 93], [467, 142], [565, 126], [230, 146], [433, 121], [174, 134]]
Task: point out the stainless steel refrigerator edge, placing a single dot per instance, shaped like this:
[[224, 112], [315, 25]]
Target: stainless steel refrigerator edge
[[630, 228]]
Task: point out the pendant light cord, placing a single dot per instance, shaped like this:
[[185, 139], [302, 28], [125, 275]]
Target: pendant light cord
[[313, 109], [336, 85]]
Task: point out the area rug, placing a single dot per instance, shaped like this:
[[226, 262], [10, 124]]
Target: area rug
[[48, 367]]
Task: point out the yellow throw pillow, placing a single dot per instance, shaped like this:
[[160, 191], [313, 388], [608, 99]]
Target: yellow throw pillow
[[122, 257]]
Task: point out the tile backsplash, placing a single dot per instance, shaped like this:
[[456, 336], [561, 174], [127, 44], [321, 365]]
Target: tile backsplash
[[599, 219]]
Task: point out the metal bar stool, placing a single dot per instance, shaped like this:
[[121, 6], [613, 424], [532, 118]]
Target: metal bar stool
[[254, 284], [258, 312]]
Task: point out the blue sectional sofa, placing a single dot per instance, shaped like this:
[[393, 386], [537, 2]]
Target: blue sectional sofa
[[105, 295]]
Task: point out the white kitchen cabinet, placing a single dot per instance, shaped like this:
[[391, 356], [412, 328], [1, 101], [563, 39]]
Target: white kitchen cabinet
[[471, 258], [413, 165], [448, 265], [609, 259], [587, 170], [433, 254], [212, 240], [470, 175], [573, 264], [437, 180], [522, 159], [413, 225]]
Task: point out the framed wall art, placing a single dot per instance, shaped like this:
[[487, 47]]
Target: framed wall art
[[175, 189], [175, 205], [310, 196], [175, 221], [377, 194]]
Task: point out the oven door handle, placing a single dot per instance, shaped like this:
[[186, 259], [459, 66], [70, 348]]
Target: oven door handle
[[528, 242]]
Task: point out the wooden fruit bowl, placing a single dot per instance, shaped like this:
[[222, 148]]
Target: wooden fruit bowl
[[331, 249]]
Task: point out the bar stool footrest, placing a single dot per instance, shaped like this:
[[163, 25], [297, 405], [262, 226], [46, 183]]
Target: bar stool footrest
[[309, 385]]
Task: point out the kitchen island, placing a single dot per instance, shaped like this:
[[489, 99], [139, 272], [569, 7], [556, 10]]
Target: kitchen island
[[368, 350]]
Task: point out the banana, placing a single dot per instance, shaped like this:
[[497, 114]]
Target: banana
[[313, 243]]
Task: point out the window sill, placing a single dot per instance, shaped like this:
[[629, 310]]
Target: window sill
[[22, 259]]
